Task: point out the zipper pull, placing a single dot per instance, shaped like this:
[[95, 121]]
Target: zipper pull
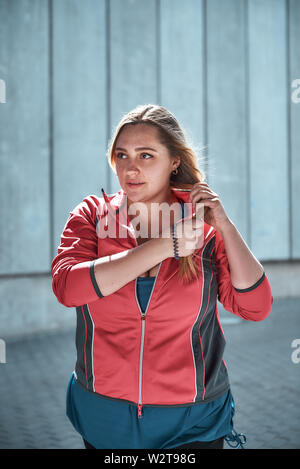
[[140, 407]]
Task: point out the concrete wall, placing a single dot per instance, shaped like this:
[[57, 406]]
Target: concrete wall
[[71, 69]]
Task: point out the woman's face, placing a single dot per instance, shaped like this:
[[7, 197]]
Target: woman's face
[[141, 158]]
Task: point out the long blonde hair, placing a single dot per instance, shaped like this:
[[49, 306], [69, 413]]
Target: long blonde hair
[[174, 138]]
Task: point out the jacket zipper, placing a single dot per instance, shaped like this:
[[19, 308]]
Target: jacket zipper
[[140, 405], [143, 318]]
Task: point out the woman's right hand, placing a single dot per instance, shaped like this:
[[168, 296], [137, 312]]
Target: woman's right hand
[[189, 234]]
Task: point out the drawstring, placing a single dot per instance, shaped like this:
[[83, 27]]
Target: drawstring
[[236, 440]]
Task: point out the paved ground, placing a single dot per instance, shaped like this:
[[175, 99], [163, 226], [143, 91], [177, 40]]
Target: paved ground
[[265, 384]]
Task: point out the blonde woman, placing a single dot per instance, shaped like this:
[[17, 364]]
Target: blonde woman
[[150, 371]]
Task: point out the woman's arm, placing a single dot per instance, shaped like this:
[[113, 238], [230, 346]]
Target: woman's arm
[[243, 287], [113, 272], [79, 276], [245, 269]]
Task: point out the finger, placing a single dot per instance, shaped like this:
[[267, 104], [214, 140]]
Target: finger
[[205, 200], [200, 184], [214, 199], [199, 205], [203, 191]]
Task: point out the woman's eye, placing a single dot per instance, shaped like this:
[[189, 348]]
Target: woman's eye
[[121, 154], [147, 154]]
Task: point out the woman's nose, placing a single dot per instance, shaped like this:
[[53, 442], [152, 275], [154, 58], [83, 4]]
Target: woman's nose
[[132, 166]]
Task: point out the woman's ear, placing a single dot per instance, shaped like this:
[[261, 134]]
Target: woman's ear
[[176, 163]]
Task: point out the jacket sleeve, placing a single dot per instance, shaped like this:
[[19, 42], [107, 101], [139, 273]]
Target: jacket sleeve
[[73, 279], [253, 303]]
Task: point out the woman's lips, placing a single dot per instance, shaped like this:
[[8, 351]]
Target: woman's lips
[[130, 184]]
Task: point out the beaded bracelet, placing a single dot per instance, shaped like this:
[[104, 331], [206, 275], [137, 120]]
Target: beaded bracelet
[[175, 243]]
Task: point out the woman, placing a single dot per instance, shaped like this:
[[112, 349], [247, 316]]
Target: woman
[[150, 371]]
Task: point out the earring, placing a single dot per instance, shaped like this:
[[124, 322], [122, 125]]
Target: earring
[[173, 172]]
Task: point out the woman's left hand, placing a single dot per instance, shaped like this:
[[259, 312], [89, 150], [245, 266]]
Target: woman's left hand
[[214, 213]]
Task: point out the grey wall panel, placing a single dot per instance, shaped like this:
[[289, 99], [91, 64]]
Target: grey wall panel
[[24, 120], [182, 65], [227, 108], [31, 307], [133, 59], [294, 74], [268, 129], [79, 105]]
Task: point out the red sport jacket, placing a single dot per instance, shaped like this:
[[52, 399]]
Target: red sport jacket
[[171, 355]]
